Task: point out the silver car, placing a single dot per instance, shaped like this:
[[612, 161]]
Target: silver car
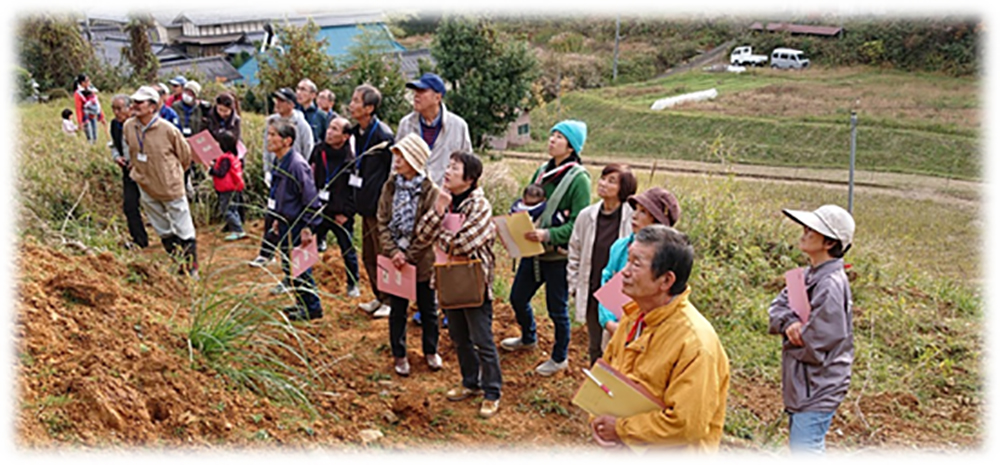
[[788, 58]]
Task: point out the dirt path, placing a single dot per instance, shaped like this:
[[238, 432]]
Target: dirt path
[[956, 192]]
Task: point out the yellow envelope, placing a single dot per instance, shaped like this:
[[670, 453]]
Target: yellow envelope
[[511, 229]]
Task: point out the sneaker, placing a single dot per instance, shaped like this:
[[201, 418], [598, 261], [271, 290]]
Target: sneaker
[[280, 288], [434, 362], [514, 343], [259, 262], [370, 306], [235, 236], [489, 408], [402, 367], [321, 246], [551, 367], [353, 292], [416, 318], [382, 312], [461, 393]]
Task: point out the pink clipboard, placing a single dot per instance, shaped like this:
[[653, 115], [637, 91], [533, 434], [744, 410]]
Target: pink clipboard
[[204, 147], [303, 258], [451, 222], [400, 282], [610, 295], [798, 299]]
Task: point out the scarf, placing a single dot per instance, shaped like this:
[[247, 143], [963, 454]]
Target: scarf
[[404, 210]]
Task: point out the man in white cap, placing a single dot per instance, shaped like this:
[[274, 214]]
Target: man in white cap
[[817, 345], [159, 155], [191, 112]]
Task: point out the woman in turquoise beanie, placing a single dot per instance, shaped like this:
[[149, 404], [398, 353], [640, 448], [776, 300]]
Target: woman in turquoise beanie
[[567, 190]]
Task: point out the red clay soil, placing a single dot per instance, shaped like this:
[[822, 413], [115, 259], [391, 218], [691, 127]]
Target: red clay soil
[[103, 361]]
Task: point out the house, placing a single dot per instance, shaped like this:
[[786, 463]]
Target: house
[[207, 33], [409, 62], [214, 68], [339, 31], [518, 133], [798, 29]]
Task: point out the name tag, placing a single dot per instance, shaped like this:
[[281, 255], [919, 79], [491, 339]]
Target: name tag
[[355, 181], [324, 195], [271, 204], [141, 157], [187, 131]]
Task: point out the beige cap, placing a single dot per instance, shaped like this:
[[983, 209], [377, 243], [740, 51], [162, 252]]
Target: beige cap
[[831, 221], [414, 150]]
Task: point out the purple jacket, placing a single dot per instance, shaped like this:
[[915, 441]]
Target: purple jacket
[[815, 377], [293, 192]]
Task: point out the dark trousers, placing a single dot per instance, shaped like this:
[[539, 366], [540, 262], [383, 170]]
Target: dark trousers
[[595, 332], [343, 234], [369, 254], [553, 275], [305, 286], [230, 212], [428, 321], [268, 240], [130, 205], [471, 332]]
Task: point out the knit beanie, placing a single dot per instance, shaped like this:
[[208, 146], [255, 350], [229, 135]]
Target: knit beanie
[[574, 131]]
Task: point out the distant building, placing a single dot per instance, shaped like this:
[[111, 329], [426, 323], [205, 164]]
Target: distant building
[[215, 68], [518, 134], [798, 29]]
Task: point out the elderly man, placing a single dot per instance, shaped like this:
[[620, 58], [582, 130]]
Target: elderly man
[[369, 173], [284, 107], [331, 161], [443, 131], [159, 155], [665, 345], [166, 112], [119, 152], [325, 101], [305, 101]]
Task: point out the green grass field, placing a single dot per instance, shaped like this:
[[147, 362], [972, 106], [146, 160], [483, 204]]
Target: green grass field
[[907, 122]]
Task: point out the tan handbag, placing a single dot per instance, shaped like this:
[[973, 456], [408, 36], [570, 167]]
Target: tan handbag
[[460, 284]]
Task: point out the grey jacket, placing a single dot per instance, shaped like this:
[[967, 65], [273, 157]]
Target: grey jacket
[[815, 377], [303, 141], [454, 136]]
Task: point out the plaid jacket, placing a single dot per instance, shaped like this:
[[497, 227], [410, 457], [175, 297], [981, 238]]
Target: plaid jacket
[[473, 239]]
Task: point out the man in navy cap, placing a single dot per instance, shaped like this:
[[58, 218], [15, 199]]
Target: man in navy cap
[[443, 131]]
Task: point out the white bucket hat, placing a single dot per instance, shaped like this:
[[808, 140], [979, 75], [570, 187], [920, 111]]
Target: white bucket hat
[[829, 220]]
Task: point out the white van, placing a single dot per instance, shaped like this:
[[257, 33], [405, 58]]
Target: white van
[[788, 58]]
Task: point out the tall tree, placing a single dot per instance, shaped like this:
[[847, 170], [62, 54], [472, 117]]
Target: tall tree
[[301, 54], [491, 74], [371, 60], [52, 50], [139, 52]]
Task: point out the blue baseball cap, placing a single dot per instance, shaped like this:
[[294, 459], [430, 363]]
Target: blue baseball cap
[[179, 81], [428, 81]]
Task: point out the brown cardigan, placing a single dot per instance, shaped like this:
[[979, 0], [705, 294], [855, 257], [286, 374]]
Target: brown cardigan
[[419, 253]]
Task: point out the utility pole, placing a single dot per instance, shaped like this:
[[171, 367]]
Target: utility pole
[[854, 140], [618, 27]]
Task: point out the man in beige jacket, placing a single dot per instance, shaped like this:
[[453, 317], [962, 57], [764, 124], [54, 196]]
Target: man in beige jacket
[[160, 155]]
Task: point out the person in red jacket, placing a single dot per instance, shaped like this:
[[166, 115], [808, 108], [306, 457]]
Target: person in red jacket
[[88, 108], [227, 177]]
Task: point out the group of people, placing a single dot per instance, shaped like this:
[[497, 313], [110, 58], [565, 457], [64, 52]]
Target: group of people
[[322, 169]]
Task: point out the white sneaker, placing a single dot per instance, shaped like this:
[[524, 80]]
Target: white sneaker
[[353, 292], [382, 312], [370, 306], [259, 262], [279, 288], [511, 344], [550, 367]]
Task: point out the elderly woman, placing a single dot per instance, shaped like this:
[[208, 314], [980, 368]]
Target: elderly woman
[[406, 197], [655, 205], [597, 227], [471, 329], [567, 190]]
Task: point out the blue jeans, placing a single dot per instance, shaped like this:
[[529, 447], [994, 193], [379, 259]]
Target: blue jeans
[[807, 431], [471, 331], [90, 128], [305, 286], [343, 235], [230, 211], [553, 275]]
